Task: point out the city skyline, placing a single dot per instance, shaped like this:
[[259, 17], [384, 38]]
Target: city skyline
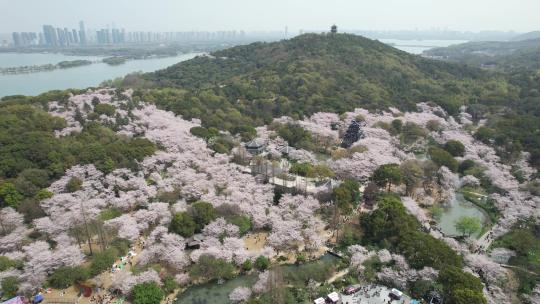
[[208, 15], [52, 36]]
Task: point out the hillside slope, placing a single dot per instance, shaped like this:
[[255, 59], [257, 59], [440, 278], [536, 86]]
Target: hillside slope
[[501, 55], [332, 73], [246, 86]]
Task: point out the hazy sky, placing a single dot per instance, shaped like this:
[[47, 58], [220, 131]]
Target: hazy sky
[[181, 15]]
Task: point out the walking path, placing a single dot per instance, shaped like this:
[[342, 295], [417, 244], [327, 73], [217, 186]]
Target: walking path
[[485, 240], [520, 268], [338, 275], [474, 193]]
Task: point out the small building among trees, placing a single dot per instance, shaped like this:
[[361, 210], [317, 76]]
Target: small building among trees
[[256, 146]]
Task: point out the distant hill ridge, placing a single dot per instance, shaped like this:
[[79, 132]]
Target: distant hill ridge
[[527, 36], [502, 55]]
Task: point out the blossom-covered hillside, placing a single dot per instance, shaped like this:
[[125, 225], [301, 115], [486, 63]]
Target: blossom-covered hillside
[[183, 213], [146, 199]]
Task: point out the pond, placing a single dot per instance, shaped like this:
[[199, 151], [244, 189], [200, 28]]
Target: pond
[[459, 207], [213, 293]]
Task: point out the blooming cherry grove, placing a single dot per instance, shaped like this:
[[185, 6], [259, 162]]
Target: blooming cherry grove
[[185, 170]]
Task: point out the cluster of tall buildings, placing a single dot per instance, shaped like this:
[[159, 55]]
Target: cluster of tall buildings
[[25, 38], [61, 37], [51, 36], [106, 36], [64, 37]]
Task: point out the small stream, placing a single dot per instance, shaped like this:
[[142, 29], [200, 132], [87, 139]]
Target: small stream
[[213, 293], [460, 207]]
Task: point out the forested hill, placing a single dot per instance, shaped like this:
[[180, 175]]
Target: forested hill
[[245, 86], [339, 72], [510, 56]]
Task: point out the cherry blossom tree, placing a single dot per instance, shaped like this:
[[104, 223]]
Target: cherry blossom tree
[[220, 227], [10, 220], [165, 247], [448, 182], [240, 294], [124, 281], [14, 240], [469, 180], [261, 285], [40, 261]]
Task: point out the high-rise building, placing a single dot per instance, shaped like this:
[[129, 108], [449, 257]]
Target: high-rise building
[[67, 35], [51, 37], [62, 40], [104, 36], [82, 33], [75, 36], [115, 35], [16, 39]]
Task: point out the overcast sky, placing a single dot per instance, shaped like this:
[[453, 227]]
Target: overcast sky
[[183, 15]]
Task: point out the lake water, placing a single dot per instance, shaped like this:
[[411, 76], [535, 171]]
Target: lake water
[[458, 208], [213, 293], [79, 77], [418, 46]]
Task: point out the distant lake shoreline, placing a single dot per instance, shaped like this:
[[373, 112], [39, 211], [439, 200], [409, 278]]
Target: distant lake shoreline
[[414, 46], [77, 77]]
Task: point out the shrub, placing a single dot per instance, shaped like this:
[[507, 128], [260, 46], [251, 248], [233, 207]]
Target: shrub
[[202, 213], [302, 169], [443, 158], [74, 184], [412, 132], [210, 268], [388, 174], [433, 125], [10, 285], [9, 196], [243, 222], [169, 284], [147, 293], [247, 265], [43, 194], [104, 109], [262, 263], [102, 261], [109, 214], [484, 134], [454, 147], [64, 277], [6, 263], [183, 224]]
